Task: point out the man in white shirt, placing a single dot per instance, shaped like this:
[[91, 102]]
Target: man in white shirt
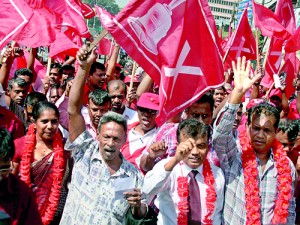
[[208, 182]]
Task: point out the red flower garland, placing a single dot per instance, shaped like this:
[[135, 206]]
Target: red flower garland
[[183, 193], [284, 183], [57, 175]]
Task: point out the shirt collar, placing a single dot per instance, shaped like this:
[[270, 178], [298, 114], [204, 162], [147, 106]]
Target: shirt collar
[[186, 169]]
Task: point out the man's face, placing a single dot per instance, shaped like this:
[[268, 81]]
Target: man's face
[[238, 118], [201, 112], [198, 153], [97, 79], [147, 118], [282, 137], [218, 96], [261, 132], [18, 94], [54, 76], [96, 112], [66, 74], [117, 94], [5, 169], [55, 94], [111, 138], [28, 113]]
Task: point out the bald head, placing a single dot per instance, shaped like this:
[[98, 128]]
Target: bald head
[[117, 92]]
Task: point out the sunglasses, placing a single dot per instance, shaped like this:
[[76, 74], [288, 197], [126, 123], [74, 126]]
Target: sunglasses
[[149, 111]]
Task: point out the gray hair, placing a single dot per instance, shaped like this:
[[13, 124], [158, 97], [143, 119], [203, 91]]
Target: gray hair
[[113, 117], [19, 81]]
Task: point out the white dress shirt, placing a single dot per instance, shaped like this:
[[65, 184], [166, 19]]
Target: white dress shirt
[[164, 184]]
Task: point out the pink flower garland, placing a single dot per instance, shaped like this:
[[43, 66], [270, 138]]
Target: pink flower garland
[[183, 193], [284, 183], [57, 175]]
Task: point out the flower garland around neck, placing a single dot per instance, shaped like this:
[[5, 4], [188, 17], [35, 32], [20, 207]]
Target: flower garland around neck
[[284, 183], [183, 193], [52, 201]]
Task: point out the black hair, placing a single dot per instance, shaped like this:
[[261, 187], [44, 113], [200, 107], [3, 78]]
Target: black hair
[[266, 109], [119, 82], [24, 72], [97, 65], [207, 98], [41, 106], [291, 127], [55, 86], [66, 67], [34, 97], [99, 97], [222, 87], [192, 128], [66, 82], [7, 146], [19, 81], [55, 65]]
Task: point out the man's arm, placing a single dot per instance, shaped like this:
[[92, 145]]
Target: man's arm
[[112, 63], [30, 62], [76, 120]]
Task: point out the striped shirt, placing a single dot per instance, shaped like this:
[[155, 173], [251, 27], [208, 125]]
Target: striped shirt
[[231, 164]]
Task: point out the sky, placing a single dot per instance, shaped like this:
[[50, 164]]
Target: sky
[[122, 3]]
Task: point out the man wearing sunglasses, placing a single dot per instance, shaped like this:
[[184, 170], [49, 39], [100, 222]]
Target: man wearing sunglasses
[[142, 133]]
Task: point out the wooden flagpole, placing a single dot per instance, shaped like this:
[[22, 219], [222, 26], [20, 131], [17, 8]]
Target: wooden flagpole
[[132, 75], [257, 50], [97, 40]]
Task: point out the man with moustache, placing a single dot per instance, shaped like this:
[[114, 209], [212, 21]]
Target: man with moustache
[[143, 132], [98, 165], [117, 91]]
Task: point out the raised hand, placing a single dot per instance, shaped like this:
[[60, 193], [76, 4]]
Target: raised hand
[[157, 149], [184, 149], [242, 81], [85, 58]]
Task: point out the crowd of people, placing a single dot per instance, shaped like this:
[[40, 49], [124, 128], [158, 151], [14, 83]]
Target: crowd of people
[[84, 148]]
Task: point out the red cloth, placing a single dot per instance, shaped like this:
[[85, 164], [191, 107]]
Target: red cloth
[[13, 19], [11, 122], [105, 47], [293, 43], [19, 145], [164, 46], [18, 202], [268, 22], [86, 92], [293, 113], [285, 12], [242, 42]]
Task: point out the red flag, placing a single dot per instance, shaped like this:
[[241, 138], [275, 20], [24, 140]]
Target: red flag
[[293, 44], [70, 13], [274, 59], [268, 22], [285, 12], [62, 46], [157, 35], [14, 16], [242, 41], [105, 47], [87, 11]]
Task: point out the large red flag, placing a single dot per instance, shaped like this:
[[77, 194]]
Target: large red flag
[[14, 16], [242, 41], [173, 42], [268, 23], [285, 12], [62, 46], [293, 44], [105, 47]]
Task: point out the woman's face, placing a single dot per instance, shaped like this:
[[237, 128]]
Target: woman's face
[[47, 124]]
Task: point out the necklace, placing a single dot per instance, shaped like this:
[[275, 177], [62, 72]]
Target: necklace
[[57, 176], [284, 183]]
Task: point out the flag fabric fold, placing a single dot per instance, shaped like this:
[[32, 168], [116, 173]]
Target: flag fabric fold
[[157, 35], [268, 23]]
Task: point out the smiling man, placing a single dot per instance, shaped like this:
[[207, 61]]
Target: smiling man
[[190, 165], [143, 132]]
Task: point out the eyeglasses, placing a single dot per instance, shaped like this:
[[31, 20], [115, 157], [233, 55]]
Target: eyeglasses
[[149, 111]]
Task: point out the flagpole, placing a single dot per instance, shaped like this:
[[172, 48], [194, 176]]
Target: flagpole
[[97, 40], [257, 50], [132, 75]]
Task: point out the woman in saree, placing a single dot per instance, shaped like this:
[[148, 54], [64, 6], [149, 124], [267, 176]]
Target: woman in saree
[[44, 162]]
